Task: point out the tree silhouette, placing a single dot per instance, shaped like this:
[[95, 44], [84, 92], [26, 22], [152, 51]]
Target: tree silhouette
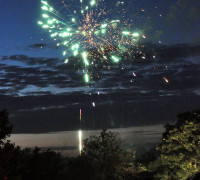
[[104, 153], [108, 159], [5, 126], [180, 149], [18, 164]]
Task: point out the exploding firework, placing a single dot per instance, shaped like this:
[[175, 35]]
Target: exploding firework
[[97, 34]]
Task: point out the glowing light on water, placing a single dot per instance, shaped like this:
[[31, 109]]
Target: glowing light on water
[[80, 133], [80, 141]]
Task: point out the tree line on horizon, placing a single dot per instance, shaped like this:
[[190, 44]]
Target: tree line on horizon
[[104, 158]]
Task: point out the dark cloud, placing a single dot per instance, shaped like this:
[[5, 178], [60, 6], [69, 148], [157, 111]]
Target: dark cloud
[[179, 51], [36, 46], [44, 95], [42, 46], [4, 57], [48, 62], [36, 114], [188, 8], [181, 72]]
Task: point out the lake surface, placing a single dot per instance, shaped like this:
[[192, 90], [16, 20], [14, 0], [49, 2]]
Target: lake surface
[[141, 138]]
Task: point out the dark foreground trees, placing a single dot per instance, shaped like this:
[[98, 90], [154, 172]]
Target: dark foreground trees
[[5, 126], [179, 152], [108, 159], [18, 164], [105, 154], [103, 157]]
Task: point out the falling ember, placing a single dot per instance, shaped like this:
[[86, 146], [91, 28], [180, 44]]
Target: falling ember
[[80, 117], [93, 104], [166, 80], [134, 75]]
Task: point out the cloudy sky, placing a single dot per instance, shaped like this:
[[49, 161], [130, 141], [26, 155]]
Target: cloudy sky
[[43, 94]]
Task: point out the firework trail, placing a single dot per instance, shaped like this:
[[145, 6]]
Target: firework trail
[[95, 33], [80, 134]]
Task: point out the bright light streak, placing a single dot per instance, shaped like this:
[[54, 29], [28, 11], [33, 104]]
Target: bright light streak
[[45, 16], [45, 26], [104, 25], [103, 31], [87, 78], [80, 141], [64, 53], [115, 21], [66, 61], [135, 34], [125, 33], [45, 8], [40, 22], [166, 80], [84, 55], [115, 59], [44, 2], [92, 3]]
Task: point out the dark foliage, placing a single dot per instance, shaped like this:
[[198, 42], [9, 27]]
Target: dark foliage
[[5, 126], [179, 151], [103, 157]]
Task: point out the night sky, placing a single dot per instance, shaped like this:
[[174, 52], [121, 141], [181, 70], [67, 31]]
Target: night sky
[[42, 94]]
